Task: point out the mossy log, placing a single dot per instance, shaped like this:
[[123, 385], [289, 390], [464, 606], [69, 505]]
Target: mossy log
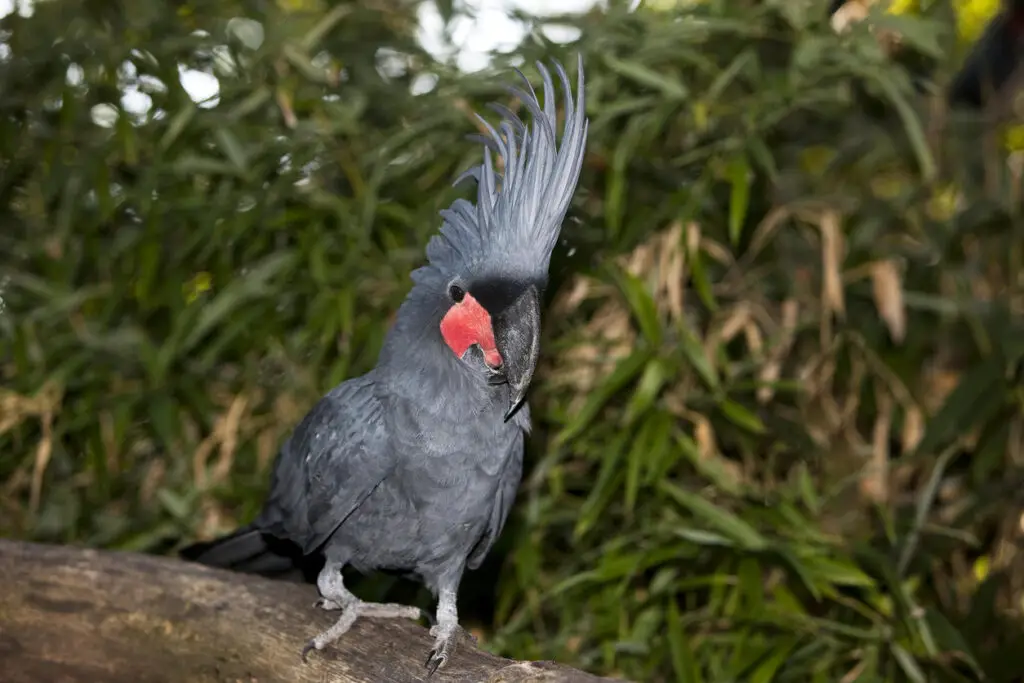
[[74, 615]]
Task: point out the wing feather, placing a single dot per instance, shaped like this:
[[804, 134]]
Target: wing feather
[[332, 462]]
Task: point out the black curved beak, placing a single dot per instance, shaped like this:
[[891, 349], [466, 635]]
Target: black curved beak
[[517, 336]]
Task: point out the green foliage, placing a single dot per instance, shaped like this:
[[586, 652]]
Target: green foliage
[[778, 429]]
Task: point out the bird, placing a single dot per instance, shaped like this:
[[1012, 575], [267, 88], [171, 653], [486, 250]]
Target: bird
[[413, 467], [993, 59]]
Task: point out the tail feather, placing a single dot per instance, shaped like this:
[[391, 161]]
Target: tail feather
[[250, 551]]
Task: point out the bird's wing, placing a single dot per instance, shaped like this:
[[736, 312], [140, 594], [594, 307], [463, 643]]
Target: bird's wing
[[508, 484], [333, 460]]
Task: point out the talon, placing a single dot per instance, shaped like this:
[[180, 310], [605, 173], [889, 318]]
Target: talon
[[438, 662], [311, 645]]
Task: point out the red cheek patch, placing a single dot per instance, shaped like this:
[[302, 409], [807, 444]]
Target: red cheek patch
[[467, 323]]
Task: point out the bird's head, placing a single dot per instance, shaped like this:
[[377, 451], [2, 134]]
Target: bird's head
[[494, 327], [491, 258]]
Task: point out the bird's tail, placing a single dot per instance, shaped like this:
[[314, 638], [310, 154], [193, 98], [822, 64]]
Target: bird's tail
[[250, 551]]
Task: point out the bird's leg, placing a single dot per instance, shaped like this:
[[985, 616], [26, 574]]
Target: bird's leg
[[446, 631], [335, 596]]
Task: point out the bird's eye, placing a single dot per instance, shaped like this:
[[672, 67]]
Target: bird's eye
[[456, 293]]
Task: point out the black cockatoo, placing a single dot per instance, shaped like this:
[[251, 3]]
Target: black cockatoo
[[413, 467]]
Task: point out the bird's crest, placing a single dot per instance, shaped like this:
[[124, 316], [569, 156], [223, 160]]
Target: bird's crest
[[514, 225]]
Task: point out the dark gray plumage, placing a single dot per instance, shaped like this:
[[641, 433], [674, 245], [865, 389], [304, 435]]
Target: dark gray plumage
[[414, 466]]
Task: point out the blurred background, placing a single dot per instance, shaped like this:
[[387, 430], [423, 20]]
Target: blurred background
[[778, 429]]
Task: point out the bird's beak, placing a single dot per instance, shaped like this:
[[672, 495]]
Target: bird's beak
[[517, 336]]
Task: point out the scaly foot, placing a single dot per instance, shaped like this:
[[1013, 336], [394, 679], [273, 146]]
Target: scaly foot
[[446, 639], [352, 611]]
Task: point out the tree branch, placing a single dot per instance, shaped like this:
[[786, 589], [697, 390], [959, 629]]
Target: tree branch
[[70, 615]]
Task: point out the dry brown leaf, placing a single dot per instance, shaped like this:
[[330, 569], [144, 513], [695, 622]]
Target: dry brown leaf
[[704, 435], [833, 253], [913, 428], [44, 405], [152, 480], [771, 370], [874, 485], [44, 451], [110, 443], [674, 269], [766, 229], [734, 323], [888, 293], [938, 384], [229, 427], [849, 14], [224, 437], [755, 340], [693, 237], [768, 375]]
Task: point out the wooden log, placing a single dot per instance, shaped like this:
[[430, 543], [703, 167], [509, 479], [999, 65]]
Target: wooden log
[[74, 615]]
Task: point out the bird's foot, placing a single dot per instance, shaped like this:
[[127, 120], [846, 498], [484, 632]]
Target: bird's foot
[[446, 638], [328, 605], [352, 611]]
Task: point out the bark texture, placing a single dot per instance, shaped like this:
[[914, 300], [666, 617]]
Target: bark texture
[[74, 615]]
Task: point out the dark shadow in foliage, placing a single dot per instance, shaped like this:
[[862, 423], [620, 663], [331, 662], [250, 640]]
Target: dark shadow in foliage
[[992, 61]]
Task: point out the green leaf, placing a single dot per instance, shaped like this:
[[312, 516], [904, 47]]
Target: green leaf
[[253, 284], [751, 583], [656, 373], [626, 370], [924, 506], [739, 174], [617, 178], [837, 571], [950, 640], [801, 571], [232, 148], [641, 303], [685, 665], [741, 417], [728, 75], [911, 124], [722, 520], [765, 672], [700, 278], [698, 359], [609, 478], [712, 468], [177, 124], [978, 395], [638, 73], [700, 537], [917, 32], [909, 665], [326, 24]]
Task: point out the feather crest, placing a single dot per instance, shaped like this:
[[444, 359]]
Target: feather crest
[[514, 225]]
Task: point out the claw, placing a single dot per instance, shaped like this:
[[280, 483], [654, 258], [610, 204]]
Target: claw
[[434, 662], [310, 646]]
